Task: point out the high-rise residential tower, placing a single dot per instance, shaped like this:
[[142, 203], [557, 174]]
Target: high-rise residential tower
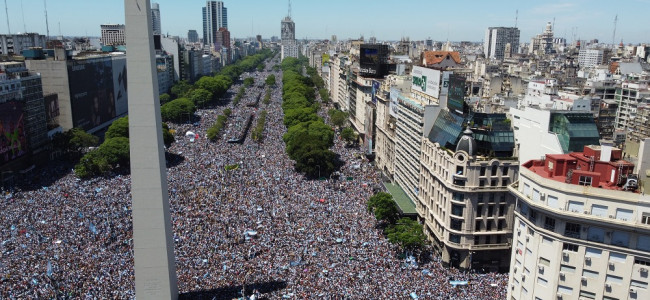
[[496, 39], [215, 16], [155, 18]]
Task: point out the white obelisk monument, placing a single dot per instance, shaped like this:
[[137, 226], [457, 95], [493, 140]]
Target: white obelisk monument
[[153, 244]]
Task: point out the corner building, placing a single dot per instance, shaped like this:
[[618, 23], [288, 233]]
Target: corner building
[[582, 229], [464, 199]]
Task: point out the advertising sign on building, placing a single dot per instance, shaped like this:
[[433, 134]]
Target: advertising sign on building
[[394, 104], [456, 97], [91, 92], [119, 85], [375, 90], [13, 142], [426, 80]]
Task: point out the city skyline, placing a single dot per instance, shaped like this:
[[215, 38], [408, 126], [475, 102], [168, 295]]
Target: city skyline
[[577, 19]]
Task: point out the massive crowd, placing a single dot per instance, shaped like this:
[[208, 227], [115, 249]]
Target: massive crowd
[[261, 226]]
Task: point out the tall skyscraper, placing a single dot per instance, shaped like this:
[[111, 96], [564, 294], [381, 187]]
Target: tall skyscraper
[[155, 18], [496, 39], [215, 16], [288, 35], [192, 36]]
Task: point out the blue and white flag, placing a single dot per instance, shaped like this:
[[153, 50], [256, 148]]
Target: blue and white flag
[[49, 269], [92, 228]]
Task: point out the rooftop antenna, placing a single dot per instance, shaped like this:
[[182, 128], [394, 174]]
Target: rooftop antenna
[[287, 14], [47, 25], [553, 24], [614, 34], [60, 31], [516, 17], [7, 12], [23, 12]]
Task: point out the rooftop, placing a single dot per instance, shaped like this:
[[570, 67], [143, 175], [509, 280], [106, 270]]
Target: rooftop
[[596, 166], [406, 206]]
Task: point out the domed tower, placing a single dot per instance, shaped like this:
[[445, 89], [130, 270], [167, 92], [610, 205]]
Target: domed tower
[[467, 143]]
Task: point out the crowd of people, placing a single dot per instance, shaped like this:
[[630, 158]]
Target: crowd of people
[[260, 227]]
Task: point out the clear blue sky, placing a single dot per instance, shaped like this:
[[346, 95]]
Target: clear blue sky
[[385, 19]]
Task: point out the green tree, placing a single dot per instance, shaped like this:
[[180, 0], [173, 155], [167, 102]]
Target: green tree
[[80, 140], [178, 110], [164, 98], [338, 118], [299, 115], [249, 81], [181, 88], [406, 233], [324, 95], [349, 135], [168, 137], [119, 128], [384, 207], [315, 162], [110, 154], [270, 80], [200, 96]]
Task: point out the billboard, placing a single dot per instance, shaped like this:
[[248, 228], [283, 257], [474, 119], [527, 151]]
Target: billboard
[[375, 90], [394, 105], [426, 80], [13, 142], [51, 107], [119, 85], [456, 97], [91, 92], [372, 60]]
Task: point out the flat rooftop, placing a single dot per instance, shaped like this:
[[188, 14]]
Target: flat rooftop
[[405, 204]]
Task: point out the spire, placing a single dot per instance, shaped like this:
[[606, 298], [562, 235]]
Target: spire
[[289, 14]]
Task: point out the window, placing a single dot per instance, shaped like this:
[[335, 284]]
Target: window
[[489, 225], [477, 226], [479, 209], [587, 295], [481, 182], [599, 210], [620, 238], [501, 224], [547, 240], [480, 197], [454, 238], [477, 240], [593, 252], [494, 182], [570, 247], [552, 201], [645, 218], [614, 279], [639, 284], [490, 210], [567, 269], [564, 290], [642, 262], [526, 189], [457, 210], [533, 216], [505, 170], [499, 239], [643, 243], [549, 224], [482, 172], [504, 181], [623, 214], [572, 230], [544, 262], [576, 206], [494, 170], [491, 198], [596, 234], [456, 224], [584, 180], [617, 257], [589, 274]]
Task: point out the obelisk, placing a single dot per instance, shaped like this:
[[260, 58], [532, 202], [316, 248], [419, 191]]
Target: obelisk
[[153, 244]]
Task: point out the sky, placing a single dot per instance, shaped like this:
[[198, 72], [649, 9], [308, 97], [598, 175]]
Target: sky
[[459, 20]]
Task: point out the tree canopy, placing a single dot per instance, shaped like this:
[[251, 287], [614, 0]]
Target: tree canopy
[[406, 233], [177, 110], [384, 207]]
